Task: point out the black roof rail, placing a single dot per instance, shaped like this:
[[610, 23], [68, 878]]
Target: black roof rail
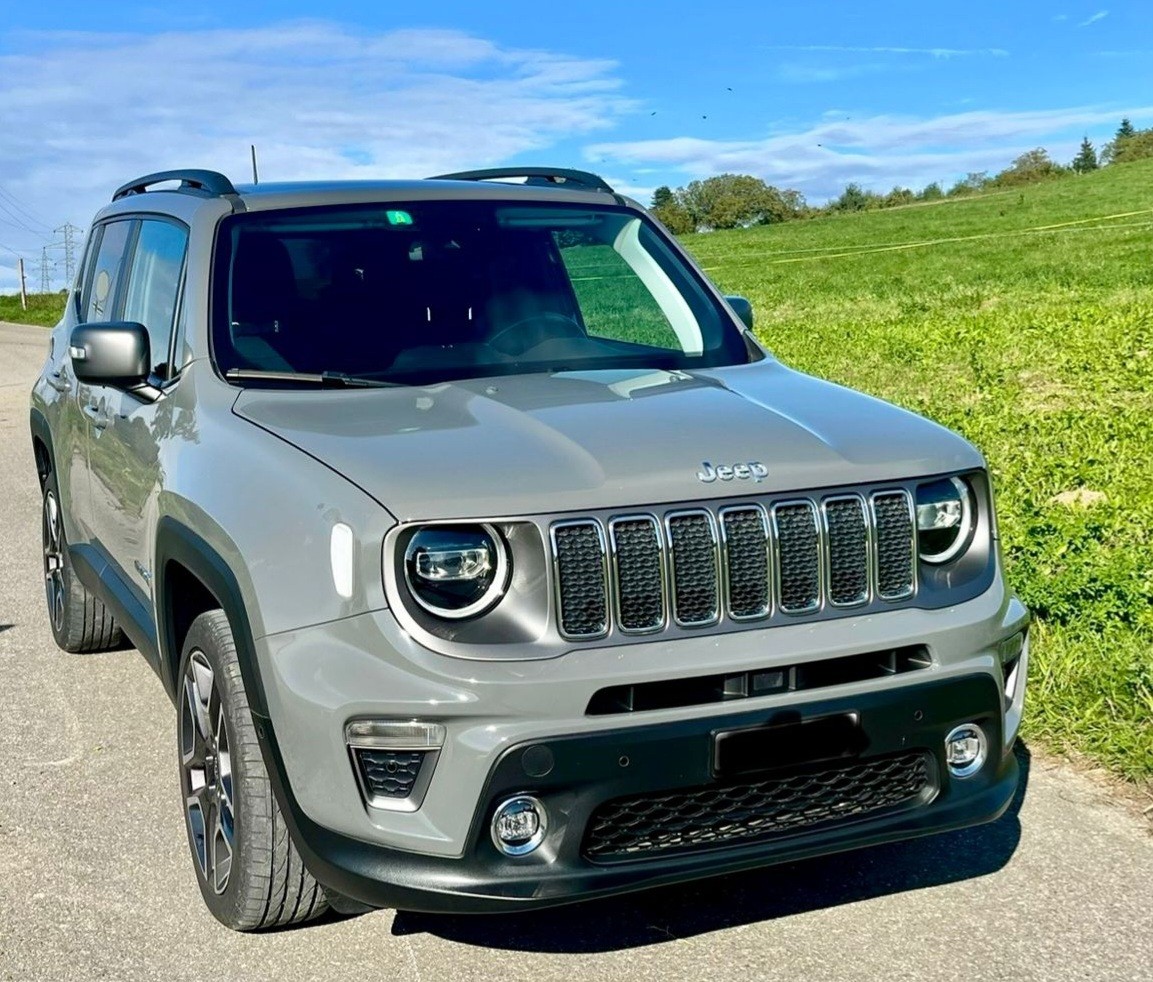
[[574, 180], [207, 181]]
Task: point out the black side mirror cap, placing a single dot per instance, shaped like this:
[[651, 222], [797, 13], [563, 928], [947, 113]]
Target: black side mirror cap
[[743, 309], [113, 353]]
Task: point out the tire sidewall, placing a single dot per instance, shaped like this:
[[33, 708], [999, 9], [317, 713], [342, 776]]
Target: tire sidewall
[[209, 634]]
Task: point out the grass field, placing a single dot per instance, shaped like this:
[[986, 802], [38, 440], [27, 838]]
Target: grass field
[[43, 308], [1025, 321]]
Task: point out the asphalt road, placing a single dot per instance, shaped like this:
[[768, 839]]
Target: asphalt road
[[96, 880]]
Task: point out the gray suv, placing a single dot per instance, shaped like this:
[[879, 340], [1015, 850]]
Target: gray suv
[[489, 560]]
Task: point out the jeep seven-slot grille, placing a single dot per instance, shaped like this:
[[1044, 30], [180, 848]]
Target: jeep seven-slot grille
[[746, 563], [723, 814]]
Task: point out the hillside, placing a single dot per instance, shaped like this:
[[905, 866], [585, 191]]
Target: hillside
[[1023, 319]]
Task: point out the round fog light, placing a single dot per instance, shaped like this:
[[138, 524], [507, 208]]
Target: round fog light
[[519, 825], [965, 749]]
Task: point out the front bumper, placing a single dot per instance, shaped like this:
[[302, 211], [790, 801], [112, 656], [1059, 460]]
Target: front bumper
[[591, 769]]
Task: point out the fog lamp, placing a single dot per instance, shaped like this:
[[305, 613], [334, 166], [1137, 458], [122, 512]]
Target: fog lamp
[[965, 749], [519, 825]]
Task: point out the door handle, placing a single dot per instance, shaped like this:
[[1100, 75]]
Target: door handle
[[100, 419]]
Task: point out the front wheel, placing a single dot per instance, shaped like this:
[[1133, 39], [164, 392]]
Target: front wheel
[[250, 874]]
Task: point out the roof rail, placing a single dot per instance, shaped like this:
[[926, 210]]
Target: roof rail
[[574, 180], [206, 181]]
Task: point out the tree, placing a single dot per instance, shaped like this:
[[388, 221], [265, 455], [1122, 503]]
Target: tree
[[1138, 146], [854, 198], [1124, 131], [674, 216], [734, 201], [1032, 166], [975, 180], [931, 192], [1086, 159], [898, 196], [663, 196]]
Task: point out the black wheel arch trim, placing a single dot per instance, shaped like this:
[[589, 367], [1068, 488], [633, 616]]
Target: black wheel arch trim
[[176, 542], [38, 424]]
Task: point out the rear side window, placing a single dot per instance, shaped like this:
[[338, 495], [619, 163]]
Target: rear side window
[[154, 285], [101, 292]]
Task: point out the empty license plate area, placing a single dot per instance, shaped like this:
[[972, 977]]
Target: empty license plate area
[[780, 745]]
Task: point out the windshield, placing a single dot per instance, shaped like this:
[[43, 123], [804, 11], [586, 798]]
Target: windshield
[[428, 291]]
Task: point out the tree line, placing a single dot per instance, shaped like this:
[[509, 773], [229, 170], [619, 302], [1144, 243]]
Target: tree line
[[741, 200]]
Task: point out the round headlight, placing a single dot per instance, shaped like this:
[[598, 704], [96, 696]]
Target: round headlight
[[944, 519], [456, 571]]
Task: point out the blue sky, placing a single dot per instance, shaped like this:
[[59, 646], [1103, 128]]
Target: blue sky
[[808, 95]]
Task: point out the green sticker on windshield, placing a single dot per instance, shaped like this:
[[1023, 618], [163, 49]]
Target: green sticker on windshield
[[398, 217]]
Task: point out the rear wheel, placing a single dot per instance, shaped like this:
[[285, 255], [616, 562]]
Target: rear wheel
[[250, 874], [80, 622]]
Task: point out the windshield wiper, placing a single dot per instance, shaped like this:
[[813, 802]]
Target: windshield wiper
[[326, 380]]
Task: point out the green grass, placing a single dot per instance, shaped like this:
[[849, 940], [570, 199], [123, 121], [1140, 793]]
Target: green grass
[[43, 308], [1035, 344]]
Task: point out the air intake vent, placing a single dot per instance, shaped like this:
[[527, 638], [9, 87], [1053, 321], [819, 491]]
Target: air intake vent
[[696, 597], [637, 565], [798, 556], [893, 511]]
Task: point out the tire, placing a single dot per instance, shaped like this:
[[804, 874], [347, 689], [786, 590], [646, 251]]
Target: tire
[[249, 872], [80, 622]]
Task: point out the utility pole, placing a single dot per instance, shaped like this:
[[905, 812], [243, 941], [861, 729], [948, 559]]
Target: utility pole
[[45, 271], [69, 232], [23, 287]]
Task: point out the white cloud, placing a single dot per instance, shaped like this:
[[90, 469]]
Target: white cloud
[[83, 112], [1100, 15], [878, 151], [940, 53]]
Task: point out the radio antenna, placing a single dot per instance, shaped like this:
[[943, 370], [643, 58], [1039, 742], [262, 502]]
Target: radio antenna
[[255, 176]]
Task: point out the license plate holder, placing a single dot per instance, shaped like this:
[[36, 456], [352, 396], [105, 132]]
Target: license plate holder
[[779, 745]]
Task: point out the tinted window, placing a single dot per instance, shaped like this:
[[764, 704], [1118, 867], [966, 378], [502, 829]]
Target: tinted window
[[101, 291], [431, 290], [154, 285]]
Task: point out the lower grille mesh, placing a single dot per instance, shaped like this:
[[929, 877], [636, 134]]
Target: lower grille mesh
[[631, 828]]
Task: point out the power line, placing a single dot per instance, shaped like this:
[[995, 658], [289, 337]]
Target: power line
[[15, 203]]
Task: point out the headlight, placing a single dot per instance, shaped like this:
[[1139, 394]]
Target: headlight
[[944, 519], [456, 571]]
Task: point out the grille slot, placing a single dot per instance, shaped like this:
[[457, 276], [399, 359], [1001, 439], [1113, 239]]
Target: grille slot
[[638, 571], [847, 572], [693, 543], [893, 519], [798, 556], [722, 814], [745, 534], [582, 592]]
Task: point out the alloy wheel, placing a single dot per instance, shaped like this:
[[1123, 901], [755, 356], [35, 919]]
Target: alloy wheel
[[53, 538], [206, 773]]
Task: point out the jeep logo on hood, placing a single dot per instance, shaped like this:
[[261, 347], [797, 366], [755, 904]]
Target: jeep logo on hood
[[754, 470]]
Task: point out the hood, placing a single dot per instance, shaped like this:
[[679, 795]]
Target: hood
[[579, 441]]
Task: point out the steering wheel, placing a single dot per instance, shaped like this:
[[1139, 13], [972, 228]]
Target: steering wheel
[[528, 332]]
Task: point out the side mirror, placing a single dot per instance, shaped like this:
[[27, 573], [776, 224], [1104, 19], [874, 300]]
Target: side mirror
[[743, 309], [115, 353]]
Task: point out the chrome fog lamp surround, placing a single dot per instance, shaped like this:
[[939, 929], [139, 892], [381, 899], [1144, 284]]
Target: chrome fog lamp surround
[[519, 825], [456, 571], [966, 748], [944, 519]]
